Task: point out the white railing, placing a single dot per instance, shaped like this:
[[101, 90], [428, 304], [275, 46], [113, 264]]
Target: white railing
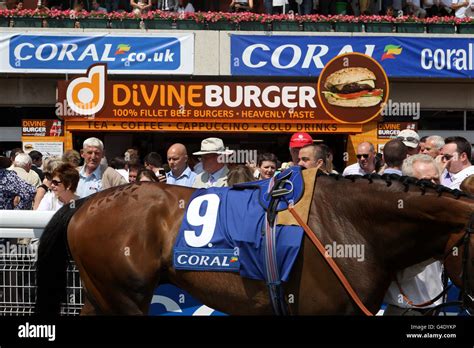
[[17, 264]]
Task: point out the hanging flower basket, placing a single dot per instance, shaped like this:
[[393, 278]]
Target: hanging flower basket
[[343, 23], [317, 26], [124, 20], [190, 24], [465, 28], [61, 23], [410, 28], [286, 26], [157, 23], [27, 22], [94, 23], [378, 24], [159, 20], [4, 22], [409, 24], [347, 27], [441, 28], [221, 25], [253, 26]]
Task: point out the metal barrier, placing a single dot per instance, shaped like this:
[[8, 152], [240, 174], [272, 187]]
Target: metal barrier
[[19, 231]]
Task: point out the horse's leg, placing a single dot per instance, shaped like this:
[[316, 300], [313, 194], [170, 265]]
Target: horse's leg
[[88, 308], [106, 298]]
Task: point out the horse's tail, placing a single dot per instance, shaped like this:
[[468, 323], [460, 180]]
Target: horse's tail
[[52, 261]]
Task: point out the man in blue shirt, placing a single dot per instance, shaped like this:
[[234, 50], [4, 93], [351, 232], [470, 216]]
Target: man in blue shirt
[[180, 173]]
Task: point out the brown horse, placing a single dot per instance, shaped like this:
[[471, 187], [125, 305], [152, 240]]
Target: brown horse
[[122, 242]]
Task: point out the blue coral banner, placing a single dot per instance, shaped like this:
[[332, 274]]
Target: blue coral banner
[[400, 56], [74, 53]]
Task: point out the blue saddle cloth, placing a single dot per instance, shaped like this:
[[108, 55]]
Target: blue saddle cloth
[[226, 225]]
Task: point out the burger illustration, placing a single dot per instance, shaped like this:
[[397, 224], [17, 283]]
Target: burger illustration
[[352, 87], [28, 147]]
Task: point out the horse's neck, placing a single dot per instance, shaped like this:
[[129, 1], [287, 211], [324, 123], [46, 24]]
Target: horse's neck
[[409, 227]]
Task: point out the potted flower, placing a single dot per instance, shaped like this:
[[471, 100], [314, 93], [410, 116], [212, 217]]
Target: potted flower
[[465, 25], [316, 23], [346, 23], [190, 21], [93, 19], [29, 18], [409, 24], [61, 19], [124, 20], [220, 20], [159, 19], [378, 24], [5, 17], [250, 21], [286, 22], [441, 25]]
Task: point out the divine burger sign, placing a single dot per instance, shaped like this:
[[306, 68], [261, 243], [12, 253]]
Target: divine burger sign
[[351, 89]]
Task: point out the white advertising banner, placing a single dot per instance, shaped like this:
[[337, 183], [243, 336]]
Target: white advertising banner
[[47, 148], [62, 53]]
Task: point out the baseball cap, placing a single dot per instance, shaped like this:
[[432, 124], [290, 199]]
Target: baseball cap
[[409, 137], [300, 139]]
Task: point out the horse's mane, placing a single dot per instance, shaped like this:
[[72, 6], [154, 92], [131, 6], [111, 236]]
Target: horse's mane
[[406, 181]]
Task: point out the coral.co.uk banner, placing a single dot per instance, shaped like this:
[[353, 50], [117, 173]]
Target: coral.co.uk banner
[[74, 53], [307, 55]]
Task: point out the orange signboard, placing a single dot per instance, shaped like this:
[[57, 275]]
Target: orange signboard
[[94, 97]]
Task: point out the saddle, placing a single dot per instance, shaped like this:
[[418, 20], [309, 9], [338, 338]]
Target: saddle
[[292, 186], [276, 195]]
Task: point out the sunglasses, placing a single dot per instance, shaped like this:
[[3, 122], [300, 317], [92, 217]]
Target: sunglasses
[[55, 182], [410, 139], [365, 155]]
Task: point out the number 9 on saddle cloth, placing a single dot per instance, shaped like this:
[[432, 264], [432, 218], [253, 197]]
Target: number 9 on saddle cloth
[[224, 228]]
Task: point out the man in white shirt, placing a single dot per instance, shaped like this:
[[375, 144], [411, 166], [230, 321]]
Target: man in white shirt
[[365, 160], [462, 8], [456, 159], [22, 167], [422, 282], [215, 170]]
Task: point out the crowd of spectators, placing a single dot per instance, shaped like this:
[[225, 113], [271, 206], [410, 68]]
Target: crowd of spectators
[[51, 181]]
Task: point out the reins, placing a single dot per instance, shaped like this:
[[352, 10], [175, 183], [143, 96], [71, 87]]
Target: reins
[[330, 261]]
